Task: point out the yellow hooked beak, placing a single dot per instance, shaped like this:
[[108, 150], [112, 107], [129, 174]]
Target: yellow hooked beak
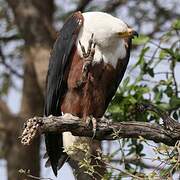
[[129, 33]]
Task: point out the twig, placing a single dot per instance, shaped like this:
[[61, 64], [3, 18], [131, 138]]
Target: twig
[[82, 5], [3, 61], [173, 76], [169, 123], [10, 38], [112, 5], [27, 174], [135, 161], [124, 172]]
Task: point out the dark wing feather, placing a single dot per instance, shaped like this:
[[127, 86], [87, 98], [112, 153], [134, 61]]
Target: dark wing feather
[[113, 89], [56, 83]]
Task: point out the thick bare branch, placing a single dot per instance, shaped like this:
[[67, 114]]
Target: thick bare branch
[[105, 130]]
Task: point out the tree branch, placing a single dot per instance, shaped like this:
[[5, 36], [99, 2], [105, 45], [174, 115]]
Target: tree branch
[[104, 131], [10, 38], [112, 5], [3, 61], [8, 122], [82, 5], [134, 160]]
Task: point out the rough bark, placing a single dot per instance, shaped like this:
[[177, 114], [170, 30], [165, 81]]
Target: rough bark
[[34, 21], [105, 131]]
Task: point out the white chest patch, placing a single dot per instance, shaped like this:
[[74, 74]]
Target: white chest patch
[[109, 47]]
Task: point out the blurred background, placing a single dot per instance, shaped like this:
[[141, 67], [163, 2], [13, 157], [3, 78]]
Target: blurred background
[[28, 29]]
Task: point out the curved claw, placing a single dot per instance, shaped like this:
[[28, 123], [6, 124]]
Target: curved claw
[[88, 57]]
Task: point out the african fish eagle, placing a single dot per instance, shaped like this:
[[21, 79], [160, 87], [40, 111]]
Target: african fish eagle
[[87, 63]]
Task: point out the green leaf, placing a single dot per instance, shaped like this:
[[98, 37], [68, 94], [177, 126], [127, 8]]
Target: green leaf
[[174, 102], [163, 54], [176, 24], [158, 95], [125, 82], [132, 100], [177, 56], [152, 175], [143, 52], [169, 51], [6, 83], [169, 91], [141, 58], [142, 39]]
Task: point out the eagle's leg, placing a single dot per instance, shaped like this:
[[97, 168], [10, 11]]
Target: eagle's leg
[[94, 123], [90, 43], [91, 119], [88, 59], [88, 63]]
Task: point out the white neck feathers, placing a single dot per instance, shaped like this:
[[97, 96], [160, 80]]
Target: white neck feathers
[[109, 47]]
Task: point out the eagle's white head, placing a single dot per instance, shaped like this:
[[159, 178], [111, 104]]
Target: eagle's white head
[[109, 33]]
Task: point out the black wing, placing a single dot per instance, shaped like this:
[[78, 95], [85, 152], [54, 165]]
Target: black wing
[[113, 89], [56, 84]]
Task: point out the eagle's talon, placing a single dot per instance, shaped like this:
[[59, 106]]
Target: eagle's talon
[[169, 124], [88, 57], [87, 121], [85, 70], [83, 49], [86, 66], [92, 120], [94, 123], [80, 83], [91, 55], [90, 45]]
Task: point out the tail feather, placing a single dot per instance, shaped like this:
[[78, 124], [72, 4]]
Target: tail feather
[[54, 147], [64, 158]]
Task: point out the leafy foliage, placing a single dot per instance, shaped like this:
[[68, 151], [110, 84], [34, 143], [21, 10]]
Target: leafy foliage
[[150, 81]]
